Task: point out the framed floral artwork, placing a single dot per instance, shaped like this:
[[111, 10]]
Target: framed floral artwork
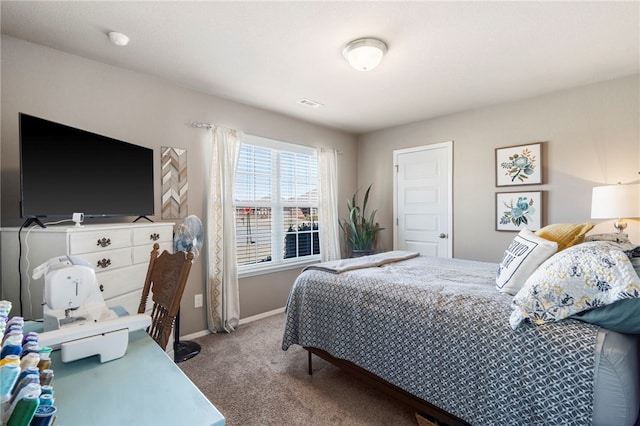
[[519, 165], [516, 210]]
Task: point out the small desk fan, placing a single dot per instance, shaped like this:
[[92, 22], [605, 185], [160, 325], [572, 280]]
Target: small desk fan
[[188, 237]]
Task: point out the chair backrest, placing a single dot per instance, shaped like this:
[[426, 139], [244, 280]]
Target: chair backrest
[[166, 278]]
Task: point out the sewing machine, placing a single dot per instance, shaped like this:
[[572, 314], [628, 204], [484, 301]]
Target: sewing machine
[[76, 319]]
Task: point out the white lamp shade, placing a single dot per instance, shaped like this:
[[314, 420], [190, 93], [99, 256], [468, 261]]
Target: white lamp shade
[[365, 54], [615, 201]]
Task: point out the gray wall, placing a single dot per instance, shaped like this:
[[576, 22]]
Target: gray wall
[[591, 137], [151, 112]]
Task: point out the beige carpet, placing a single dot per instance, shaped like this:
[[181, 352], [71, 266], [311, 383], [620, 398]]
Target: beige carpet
[[251, 381]]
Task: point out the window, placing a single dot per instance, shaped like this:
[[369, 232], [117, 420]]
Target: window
[[275, 204]]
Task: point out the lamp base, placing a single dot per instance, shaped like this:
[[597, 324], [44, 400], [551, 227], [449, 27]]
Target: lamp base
[[183, 351], [620, 225]]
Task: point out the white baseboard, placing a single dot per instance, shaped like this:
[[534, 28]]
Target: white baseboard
[[261, 316], [195, 335], [241, 322]]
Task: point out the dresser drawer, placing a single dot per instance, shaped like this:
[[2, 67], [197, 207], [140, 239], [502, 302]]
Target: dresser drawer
[[141, 254], [108, 259], [112, 283], [107, 239], [153, 234]]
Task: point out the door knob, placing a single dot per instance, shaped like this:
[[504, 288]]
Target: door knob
[[442, 235]]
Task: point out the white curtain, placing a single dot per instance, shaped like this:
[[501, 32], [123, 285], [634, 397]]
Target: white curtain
[[328, 199], [223, 307]]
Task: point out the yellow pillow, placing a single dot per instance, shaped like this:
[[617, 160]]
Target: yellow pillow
[[565, 234]]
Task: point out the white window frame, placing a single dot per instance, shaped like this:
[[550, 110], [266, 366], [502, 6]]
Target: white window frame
[[278, 262]]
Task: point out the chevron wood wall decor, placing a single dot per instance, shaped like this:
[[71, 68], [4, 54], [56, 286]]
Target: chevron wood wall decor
[[174, 183]]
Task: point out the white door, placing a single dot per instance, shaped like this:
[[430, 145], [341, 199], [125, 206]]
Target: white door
[[423, 199]]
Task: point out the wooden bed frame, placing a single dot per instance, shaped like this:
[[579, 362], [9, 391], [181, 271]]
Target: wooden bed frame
[[425, 409]]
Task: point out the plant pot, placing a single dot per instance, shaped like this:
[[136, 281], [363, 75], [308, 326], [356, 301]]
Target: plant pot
[[360, 253]]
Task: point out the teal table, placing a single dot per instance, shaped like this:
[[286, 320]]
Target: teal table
[[145, 387]]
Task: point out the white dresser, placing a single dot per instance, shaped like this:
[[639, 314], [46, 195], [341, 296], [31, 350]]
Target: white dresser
[[118, 252]]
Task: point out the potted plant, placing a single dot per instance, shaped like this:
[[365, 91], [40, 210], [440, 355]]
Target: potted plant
[[360, 231]]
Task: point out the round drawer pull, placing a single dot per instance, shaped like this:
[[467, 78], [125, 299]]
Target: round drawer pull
[[104, 263], [101, 287], [104, 242], [154, 237]]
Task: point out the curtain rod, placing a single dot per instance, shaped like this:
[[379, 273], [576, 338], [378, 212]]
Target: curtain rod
[[201, 125]]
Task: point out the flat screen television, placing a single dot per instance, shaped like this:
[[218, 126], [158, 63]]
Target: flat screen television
[[65, 170]]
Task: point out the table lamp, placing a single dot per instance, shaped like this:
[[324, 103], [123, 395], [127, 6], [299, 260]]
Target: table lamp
[[616, 202]]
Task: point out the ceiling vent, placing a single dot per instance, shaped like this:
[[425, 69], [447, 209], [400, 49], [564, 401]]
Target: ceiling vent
[[309, 103]]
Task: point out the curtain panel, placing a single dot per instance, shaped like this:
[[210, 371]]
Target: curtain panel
[[223, 307], [328, 200]]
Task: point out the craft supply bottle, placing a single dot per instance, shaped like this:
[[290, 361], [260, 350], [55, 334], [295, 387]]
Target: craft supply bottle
[[8, 377], [5, 408], [46, 389], [10, 359], [5, 307], [46, 377], [46, 399], [24, 410], [45, 359], [30, 360], [31, 336], [29, 347], [30, 389], [12, 344], [44, 415], [23, 383]]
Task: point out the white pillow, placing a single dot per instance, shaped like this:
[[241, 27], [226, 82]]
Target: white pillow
[[526, 252]]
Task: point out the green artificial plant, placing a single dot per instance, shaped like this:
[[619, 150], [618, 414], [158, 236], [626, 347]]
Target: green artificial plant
[[360, 230]]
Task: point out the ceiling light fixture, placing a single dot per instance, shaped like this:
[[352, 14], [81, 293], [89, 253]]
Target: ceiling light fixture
[[364, 54], [118, 39]]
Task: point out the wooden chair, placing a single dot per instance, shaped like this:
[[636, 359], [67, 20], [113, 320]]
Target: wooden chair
[[166, 278]]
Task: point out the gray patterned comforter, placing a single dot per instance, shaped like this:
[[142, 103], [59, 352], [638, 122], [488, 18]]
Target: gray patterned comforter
[[439, 329]]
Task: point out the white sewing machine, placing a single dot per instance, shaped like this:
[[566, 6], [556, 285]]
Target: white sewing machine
[[76, 319]]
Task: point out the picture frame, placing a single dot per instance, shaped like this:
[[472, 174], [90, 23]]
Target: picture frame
[[175, 186], [517, 210], [519, 165]]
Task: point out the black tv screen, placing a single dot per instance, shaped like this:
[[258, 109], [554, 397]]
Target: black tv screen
[[65, 170]]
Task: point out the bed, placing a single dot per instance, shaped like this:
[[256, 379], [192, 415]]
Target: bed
[[438, 334]]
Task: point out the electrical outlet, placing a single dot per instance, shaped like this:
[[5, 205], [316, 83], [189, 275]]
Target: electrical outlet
[[197, 302]]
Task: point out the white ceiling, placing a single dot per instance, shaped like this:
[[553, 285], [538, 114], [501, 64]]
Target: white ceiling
[[443, 57]]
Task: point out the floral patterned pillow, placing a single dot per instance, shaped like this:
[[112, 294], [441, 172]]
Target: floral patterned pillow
[[581, 277]]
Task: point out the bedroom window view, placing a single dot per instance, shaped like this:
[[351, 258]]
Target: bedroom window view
[[276, 204]]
